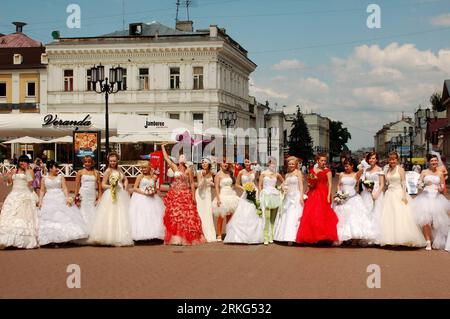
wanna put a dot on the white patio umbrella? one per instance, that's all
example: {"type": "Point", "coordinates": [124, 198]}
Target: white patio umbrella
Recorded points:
{"type": "Point", "coordinates": [26, 140]}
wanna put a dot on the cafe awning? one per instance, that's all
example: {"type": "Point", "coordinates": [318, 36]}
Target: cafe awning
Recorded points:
{"type": "Point", "coordinates": [26, 140]}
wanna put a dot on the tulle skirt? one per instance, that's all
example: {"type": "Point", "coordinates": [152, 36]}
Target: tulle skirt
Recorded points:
{"type": "Point", "coordinates": [354, 220]}
{"type": "Point", "coordinates": [288, 219]}
{"type": "Point", "coordinates": [398, 226]}
{"type": "Point", "coordinates": [59, 223]}
{"type": "Point", "coordinates": [375, 208]}
{"type": "Point", "coordinates": [270, 201]}
{"type": "Point", "coordinates": [19, 220]}
{"type": "Point", "coordinates": [245, 227]}
{"type": "Point", "coordinates": [432, 208]}
{"type": "Point", "coordinates": [228, 202]}
{"type": "Point", "coordinates": [111, 226]}
{"type": "Point", "coordinates": [146, 215]}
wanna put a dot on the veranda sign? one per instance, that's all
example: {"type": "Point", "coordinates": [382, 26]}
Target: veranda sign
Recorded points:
{"type": "Point", "coordinates": [54, 120]}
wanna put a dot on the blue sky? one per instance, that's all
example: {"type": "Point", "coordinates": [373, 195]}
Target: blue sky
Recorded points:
{"type": "Point", "coordinates": [316, 53]}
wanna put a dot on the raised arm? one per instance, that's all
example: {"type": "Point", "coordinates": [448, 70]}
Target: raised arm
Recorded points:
{"type": "Point", "coordinates": [167, 158]}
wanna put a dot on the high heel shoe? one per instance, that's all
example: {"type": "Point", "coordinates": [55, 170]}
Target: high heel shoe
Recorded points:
{"type": "Point", "coordinates": [428, 245]}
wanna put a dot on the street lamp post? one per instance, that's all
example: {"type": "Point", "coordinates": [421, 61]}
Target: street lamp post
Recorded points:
{"type": "Point", "coordinates": [108, 85]}
{"type": "Point", "coordinates": [228, 119]}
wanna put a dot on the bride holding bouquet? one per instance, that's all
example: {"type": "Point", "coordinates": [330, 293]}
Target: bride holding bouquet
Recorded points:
{"type": "Point", "coordinates": [112, 226]}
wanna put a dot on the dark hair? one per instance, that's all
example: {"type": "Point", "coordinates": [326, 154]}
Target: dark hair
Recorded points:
{"type": "Point", "coordinates": [431, 156]}
{"type": "Point", "coordinates": [370, 154]}
{"type": "Point", "coordinates": [320, 155]}
{"type": "Point", "coordinates": [23, 159]}
{"type": "Point", "coordinates": [88, 156]}
{"type": "Point", "coordinates": [394, 153]}
{"type": "Point", "coordinates": [348, 161]}
{"type": "Point", "coordinates": [51, 164]}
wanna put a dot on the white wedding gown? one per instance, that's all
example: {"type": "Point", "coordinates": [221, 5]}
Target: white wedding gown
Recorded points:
{"type": "Point", "coordinates": [112, 226]}
{"type": "Point", "coordinates": [245, 227]}
{"type": "Point", "coordinates": [88, 193]}
{"type": "Point", "coordinates": [228, 198]}
{"type": "Point", "coordinates": [398, 226]}
{"type": "Point", "coordinates": [59, 223]}
{"type": "Point", "coordinates": [375, 207]}
{"type": "Point", "coordinates": [353, 215]}
{"type": "Point", "coordinates": [288, 217]}
{"type": "Point", "coordinates": [203, 197]}
{"type": "Point", "coordinates": [146, 214]}
{"type": "Point", "coordinates": [19, 215]}
{"type": "Point", "coordinates": [431, 208]}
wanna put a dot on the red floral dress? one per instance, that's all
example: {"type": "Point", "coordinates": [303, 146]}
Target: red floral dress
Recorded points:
{"type": "Point", "coordinates": [181, 217]}
{"type": "Point", "coordinates": [319, 221]}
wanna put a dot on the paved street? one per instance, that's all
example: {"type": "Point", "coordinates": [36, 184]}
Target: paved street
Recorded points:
{"type": "Point", "coordinates": [216, 270]}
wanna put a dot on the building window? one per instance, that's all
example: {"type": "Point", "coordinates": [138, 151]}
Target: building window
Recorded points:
{"type": "Point", "coordinates": [123, 85]}
{"type": "Point", "coordinates": [174, 116]}
{"type": "Point", "coordinates": [174, 78]}
{"type": "Point", "coordinates": [198, 78]}
{"type": "Point", "coordinates": [68, 80]}
{"type": "Point", "coordinates": [143, 79]}
{"type": "Point", "coordinates": [31, 89]}
{"type": "Point", "coordinates": [89, 85]}
{"type": "Point", "coordinates": [198, 117]}
{"type": "Point", "coordinates": [2, 89]}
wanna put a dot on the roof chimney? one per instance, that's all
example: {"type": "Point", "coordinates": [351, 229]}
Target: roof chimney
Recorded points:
{"type": "Point", "coordinates": [19, 26]}
{"type": "Point", "coordinates": [187, 26]}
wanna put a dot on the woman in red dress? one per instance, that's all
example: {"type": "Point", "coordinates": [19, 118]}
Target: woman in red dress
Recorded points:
{"type": "Point", "coordinates": [181, 219]}
{"type": "Point", "coordinates": [319, 221]}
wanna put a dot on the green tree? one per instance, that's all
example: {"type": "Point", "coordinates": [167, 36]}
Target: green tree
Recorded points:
{"type": "Point", "coordinates": [436, 102]}
{"type": "Point", "coordinates": [300, 141]}
{"type": "Point", "coordinates": [339, 136]}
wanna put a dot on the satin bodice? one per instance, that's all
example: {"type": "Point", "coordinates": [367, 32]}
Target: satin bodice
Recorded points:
{"type": "Point", "coordinates": [250, 178]}
{"type": "Point", "coordinates": [88, 182]}
{"type": "Point", "coordinates": [53, 185]}
{"type": "Point", "coordinates": [20, 182]}
{"type": "Point", "coordinates": [291, 183]}
{"type": "Point", "coordinates": [226, 182]}
{"type": "Point", "coordinates": [393, 179]}
{"type": "Point", "coordinates": [433, 180]}
{"type": "Point", "coordinates": [348, 184]}
{"type": "Point", "coordinates": [269, 185]}
{"type": "Point", "coordinates": [146, 182]}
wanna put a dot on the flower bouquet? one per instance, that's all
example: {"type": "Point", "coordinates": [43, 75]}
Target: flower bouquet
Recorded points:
{"type": "Point", "coordinates": [369, 185]}
{"type": "Point", "coordinates": [312, 180]}
{"type": "Point", "coordinates": [78, 200]}
{"type": "Point", "coordinates": [113, 182]}
{"type": "Point", "coordinates": [250, 191]}
{"type": "Point", "coordinates": [150, 190]}
{"type": "Point", "coordinates": [340, 198]}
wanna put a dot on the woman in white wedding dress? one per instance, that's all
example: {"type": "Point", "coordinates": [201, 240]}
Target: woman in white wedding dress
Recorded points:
{"type": "Point", "coordinates": [203, 197]}
{"type": "Point", "coordinates": [19, 215]}
{"type": "Point", "coordinates": [146, 207]}
{"type": "Point", "coordinates": [59, 221]}
{"type": "Point", "coordinates": [354, 219]}
{"type": "Point", "coordinates": [226, 200]}
{"type": "Point", "coordinates": [246, 226]}
{"type": "Point", "coordinates": [288, 219]}
{"type": "Point", "coordinates": [112, 226]}
{"type": "Point", "coordinates": [398, 226]}
{"type": "Point", "coordinates": [373, 197]}
{"type": "Point", "coordinates": [430, 207]}
{"type": "Point", "coordinates": [88, 190]}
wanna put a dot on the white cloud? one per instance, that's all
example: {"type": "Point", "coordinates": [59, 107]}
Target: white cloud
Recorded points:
{"type": "Point", "coordinates": [313, 85]}
{"type": "Point", "coordinates": [288, 65]}
{"type": "Point", "coordinates": [365, 89]}
{"type": "Point", "coordinates": [441, 20]}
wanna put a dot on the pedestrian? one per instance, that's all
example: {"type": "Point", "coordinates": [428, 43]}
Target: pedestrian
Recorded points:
{"type": "Point", "coordinates": [39, 171]}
